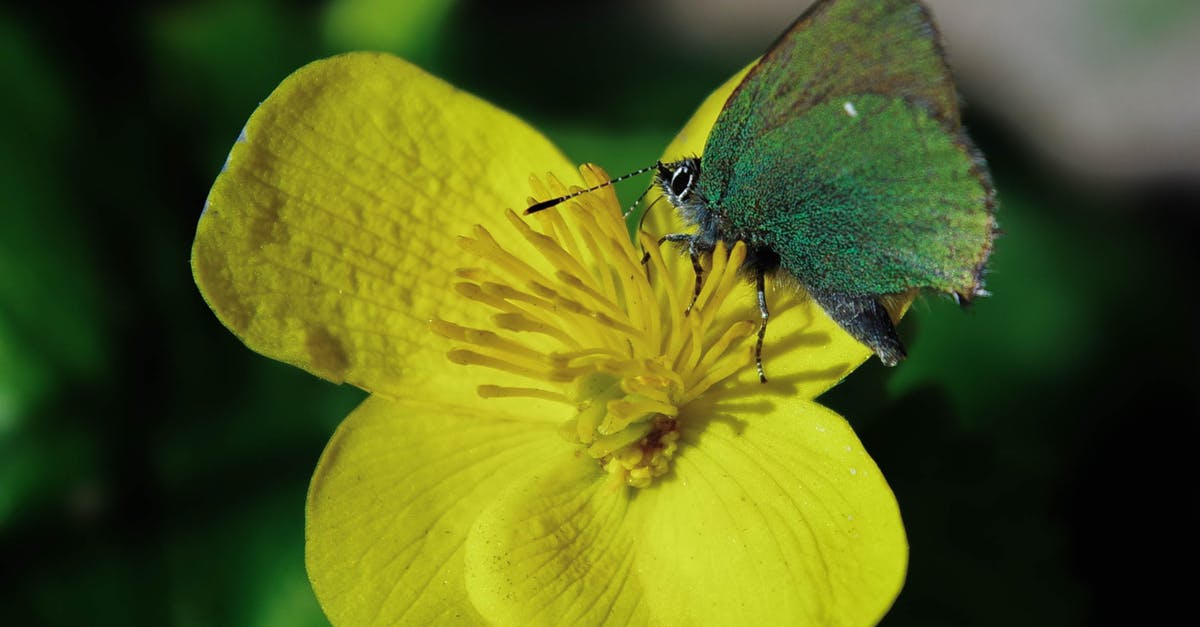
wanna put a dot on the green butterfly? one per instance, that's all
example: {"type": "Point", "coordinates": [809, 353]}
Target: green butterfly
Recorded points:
{"type": "Point", "coordinates": [841, 161]}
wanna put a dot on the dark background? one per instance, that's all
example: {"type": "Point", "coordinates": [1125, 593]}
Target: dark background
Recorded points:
{"type": "Point", "coordinates": [153, 470]}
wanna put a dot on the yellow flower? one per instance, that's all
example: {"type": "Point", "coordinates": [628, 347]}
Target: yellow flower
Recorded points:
{"type": "Point", "coordinates": [549, 439]}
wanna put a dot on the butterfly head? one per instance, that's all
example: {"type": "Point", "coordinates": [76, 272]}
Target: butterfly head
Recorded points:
{"type": "Point", "coordinates": [680, 183]}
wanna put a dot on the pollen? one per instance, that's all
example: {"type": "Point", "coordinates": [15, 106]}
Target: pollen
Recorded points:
{"type": "Point", "coordinates": [587, 318]}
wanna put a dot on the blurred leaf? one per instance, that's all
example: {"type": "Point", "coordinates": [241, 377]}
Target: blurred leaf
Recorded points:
{"type": "Point", "coordinates": [38, 466]}
{"type": "Point", "coordinates": [216, 59]}
{"type": "Point", "coordinates": [105, 585]}
{"type": "Point", "coordinates": [408, 28]}
{"type": "Point", "coordinates": [263, 411]}
{"type": "Point", "coordinates": [51, 317]}
{"type": "Point", "coordinates": [240, 559]}
{"type": "Point", "coordinates": [1124, 25]}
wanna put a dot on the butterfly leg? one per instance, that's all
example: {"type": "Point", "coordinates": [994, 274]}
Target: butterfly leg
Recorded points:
{"type": "Point", "coordinates": [699, 272]}
{"type": "Point", "coordinates": [865, 318]}
{"type": "Point", "coordinates": [761, 284]}
{"type": "Point", "coordinates": [695, 251]}
{"type": "Point", "coordinates": [669, 237]}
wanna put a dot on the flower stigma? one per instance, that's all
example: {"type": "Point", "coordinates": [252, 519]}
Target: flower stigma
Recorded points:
{"type": "Point", "coordinates": [581, 319]}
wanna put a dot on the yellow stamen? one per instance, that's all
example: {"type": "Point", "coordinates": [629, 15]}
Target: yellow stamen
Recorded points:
{"type": "Point", "coordinates": [497, 391]}
{"type": "Point", "coordinates": [579, 314]}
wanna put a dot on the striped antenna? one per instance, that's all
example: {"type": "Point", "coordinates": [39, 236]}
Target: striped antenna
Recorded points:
{"type": "Point", "coordinates": [546, 204]}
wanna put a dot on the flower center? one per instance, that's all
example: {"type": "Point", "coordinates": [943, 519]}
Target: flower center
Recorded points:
{"type": "Point", "coordinates": [583, 319]}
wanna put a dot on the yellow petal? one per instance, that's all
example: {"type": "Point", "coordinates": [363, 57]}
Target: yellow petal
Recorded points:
{"type": "Point", "coordinates": [690, 140]}
{"type": "Point", "coordinates": [392, 499]}
{"type": "Point", "coordinates": [776, 518]}
{"type": "Point", "coordinates": [779, 518]}
{"type": "Point", "coordinates": [805, 351]}
{"type": "Point", "coordinates": [328, 241]}
{"type": "Point", "coordinates": [557, 549]}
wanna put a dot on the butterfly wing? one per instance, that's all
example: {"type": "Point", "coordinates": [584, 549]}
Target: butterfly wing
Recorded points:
{"type": "Point", "coordinates": [842, 151]}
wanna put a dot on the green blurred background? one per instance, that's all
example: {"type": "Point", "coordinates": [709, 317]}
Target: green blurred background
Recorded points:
{"type": "Point", "coordinates": [153, 470]}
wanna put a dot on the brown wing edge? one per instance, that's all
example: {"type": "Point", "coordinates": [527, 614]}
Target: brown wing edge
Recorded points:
{"type": "Point", "coordinates": [979, 169]}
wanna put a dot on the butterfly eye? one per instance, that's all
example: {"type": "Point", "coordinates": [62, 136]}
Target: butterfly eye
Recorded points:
{"type": "Point", "coordinates": [681, 181]}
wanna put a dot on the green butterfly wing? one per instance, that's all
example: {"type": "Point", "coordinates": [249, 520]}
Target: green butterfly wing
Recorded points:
{"type": "Point", "coordinates": [842, 151]}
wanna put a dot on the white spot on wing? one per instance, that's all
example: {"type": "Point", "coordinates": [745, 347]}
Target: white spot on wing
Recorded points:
{"type": "Point", "coordinates": [850, 110]}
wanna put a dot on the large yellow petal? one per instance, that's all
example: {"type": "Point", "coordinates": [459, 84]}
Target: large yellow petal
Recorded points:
{"type": "Point", "coordinates": [328, 241]}
{"type": "Point", "coordinates": [392, 499]}
{"type": "Point", "coordinates": [556, 549]}
{"type": "Point", "coordinates": [805, 352]}
{"type": "Point", "coordinates": [777, 518]}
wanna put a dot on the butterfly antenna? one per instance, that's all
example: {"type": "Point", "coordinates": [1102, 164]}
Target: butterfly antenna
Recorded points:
{"type": "Point", "coordinates": [634, 206]}
{"type": "Point", "coordinates": [546, 204]}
